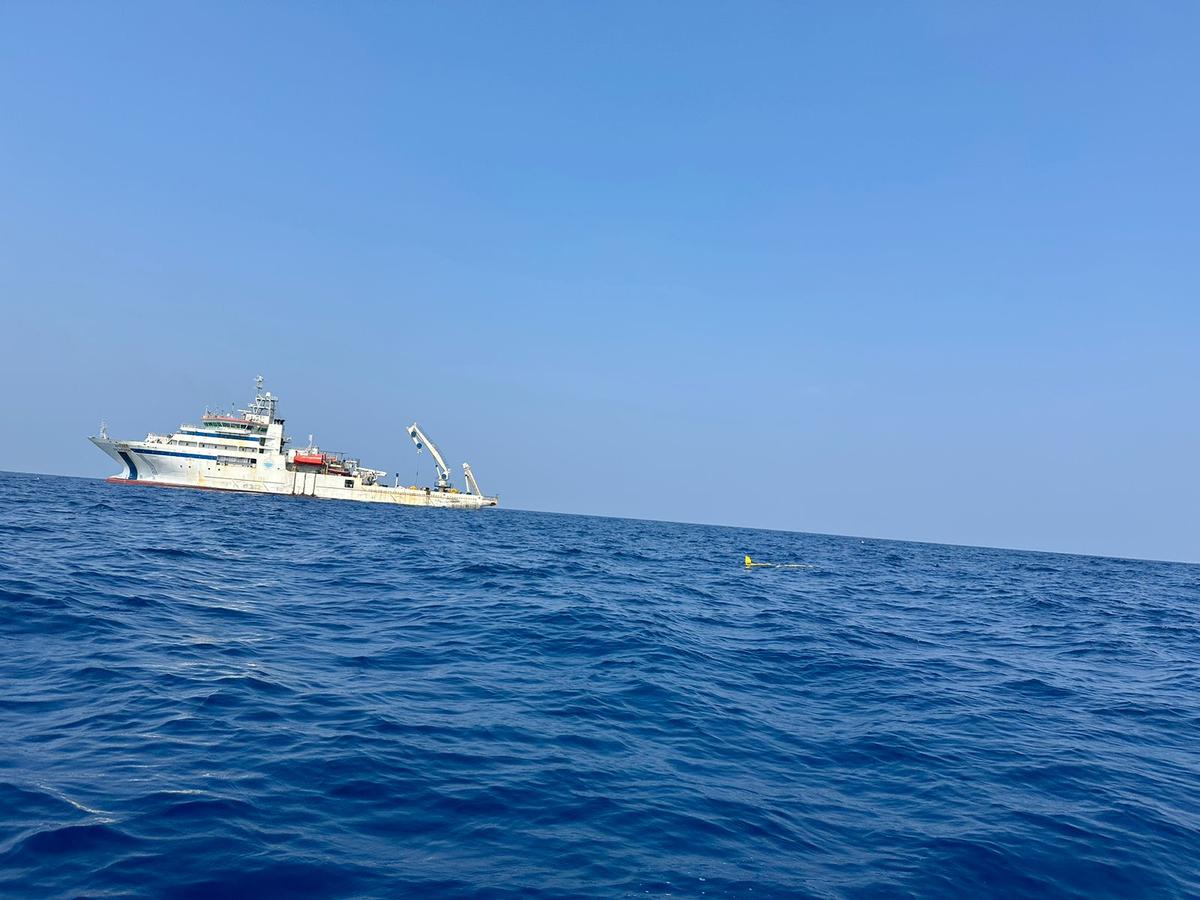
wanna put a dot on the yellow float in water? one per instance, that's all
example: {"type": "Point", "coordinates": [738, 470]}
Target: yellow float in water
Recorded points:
{"type": "Point", "coordinates": [751, 564]}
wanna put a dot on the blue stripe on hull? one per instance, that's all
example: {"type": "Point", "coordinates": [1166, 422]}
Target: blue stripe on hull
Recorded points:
{"type": "Point", "coordinates": [129, 462]}
{"type": "Point", "coordinates": [172, 453]}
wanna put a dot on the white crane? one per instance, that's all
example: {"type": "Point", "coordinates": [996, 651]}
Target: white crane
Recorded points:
{"type": "Point", "coordinates": [418, 438]}
{"type": "Point", "coordinates": [472, 484]}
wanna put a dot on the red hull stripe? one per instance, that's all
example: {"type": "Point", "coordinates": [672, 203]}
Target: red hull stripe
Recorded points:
{"type": "Point", "coordinates": [116, 479]}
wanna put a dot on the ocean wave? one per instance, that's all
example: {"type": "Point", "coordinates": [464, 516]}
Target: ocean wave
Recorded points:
{"type": "Point", "coordinates": [241, 696]}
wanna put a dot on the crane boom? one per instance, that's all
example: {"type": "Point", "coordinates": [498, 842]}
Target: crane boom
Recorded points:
{"type": "Point", "coordinates": [472, 484]}
{"type": "Point", "coordinates": [422, 442]}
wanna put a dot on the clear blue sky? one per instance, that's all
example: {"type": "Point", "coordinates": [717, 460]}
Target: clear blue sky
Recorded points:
{"type": "Point", "coordinates": [925, 271]}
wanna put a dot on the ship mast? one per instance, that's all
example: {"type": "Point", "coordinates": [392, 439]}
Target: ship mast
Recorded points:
{"type": "Point", "coordinates": [263, 407]}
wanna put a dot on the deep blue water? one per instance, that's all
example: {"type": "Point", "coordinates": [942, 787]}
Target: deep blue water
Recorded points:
{"type": "Point", "coordinates": [224, 695]}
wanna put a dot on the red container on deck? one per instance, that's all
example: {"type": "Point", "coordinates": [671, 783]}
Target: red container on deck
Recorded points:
{"type": "Point", "coordinates": [303, 459]}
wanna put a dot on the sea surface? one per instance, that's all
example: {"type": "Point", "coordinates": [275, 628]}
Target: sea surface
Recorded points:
{"type": "Point", "coordinates": [216, 695]}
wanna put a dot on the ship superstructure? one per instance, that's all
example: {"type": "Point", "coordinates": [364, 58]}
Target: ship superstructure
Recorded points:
{"type": "Point", "coordinates": [248, 451]}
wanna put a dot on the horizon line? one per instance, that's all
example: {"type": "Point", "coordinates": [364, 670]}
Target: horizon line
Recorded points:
{"type": "Point", "coordinates": [856, 537]}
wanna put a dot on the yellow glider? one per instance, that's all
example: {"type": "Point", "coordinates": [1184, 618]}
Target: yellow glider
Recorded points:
{"type": "Point", "coordinates": [751, 564]}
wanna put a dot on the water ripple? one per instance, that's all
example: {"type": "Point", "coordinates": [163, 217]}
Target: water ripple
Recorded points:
{"type": "Point", "coordinates": [206, 695]}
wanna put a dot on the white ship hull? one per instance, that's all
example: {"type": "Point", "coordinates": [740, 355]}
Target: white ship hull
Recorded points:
{"type": "Point", "coordinates": [249, 454]}
{"type": "Point", "coordinates": [150, 466]}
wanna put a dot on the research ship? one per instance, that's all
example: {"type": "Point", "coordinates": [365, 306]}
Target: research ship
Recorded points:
{"type": "Point", "coordinates": [248, 451]}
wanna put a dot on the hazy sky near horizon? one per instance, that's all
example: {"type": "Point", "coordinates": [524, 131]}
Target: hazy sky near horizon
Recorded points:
{"type": "Point", "coordinates": [923, 271]}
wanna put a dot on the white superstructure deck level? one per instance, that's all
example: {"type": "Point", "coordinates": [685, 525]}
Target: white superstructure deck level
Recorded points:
{"type": "Point", "coordinates": [248, 451]}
